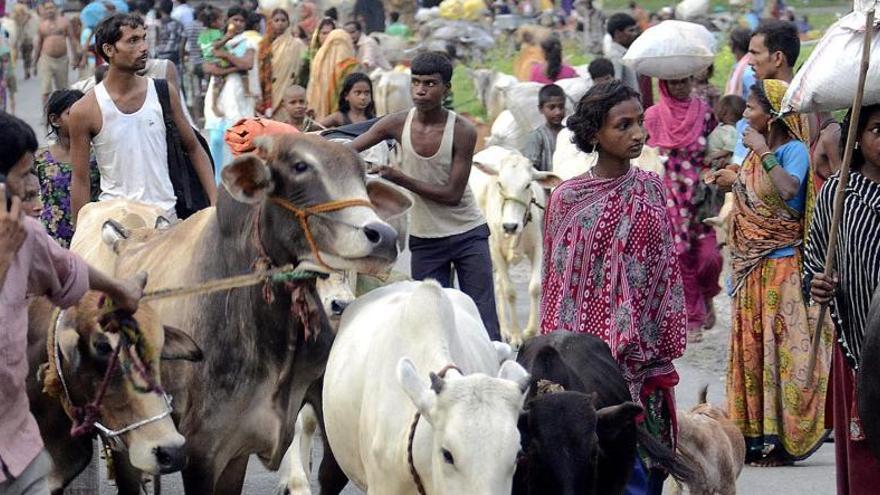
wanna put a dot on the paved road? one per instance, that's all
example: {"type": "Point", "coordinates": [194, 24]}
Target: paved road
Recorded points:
{"type": "Point", "coordinates": [703, 363]}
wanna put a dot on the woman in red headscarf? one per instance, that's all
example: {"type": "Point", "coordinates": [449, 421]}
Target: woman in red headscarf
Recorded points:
{"type": "Point", "coordinates": [679, 125]}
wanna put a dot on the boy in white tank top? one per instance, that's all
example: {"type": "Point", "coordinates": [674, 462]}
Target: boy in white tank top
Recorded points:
{"type": "Point", "coordinates": [123, 119]}
{"type": "Point", "coordinates": [447, 230]}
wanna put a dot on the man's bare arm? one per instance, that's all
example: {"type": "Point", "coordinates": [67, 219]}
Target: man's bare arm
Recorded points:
{"type": "Point", "coordinates": [245, 62]}
{"type": "Point", "coordinates": [38, 46]}
{"type": "Point", "coordinates": [465, 140]}
{"type": "Point", "coordinates": [831, 143]}
{"type": "Point", "coordinates": [80, 139]}
{"type": "Point", "coordinates": [75, 47]}
{"type": "Point", "coordinates": [197, 155]}
{"type": "Point", "coordinates": [379, 132]}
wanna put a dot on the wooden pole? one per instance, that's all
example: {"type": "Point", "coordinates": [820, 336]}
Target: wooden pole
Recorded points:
{"type": "Point", "coordinates": [839, 194]}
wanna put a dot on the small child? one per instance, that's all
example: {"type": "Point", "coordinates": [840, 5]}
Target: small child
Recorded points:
{"type": "Point", "coordinates": [601, 70]}
{"type": "Point", "coordinates": [541, 142]}
{"type": "Point", "coordinates": [355, 102]}
{"type": "Point", "coordinates": [213, 38]}
{"type": "Point", "coordinates": [296, 109]}
{"type": "Point", "coordinates": [722, 140]}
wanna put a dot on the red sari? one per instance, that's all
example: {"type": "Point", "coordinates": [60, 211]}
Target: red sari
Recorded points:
{"type": "Point", "coordinates": [610, 270]}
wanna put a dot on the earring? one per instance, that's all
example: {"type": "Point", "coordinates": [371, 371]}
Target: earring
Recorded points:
{"type": "Point", "coordinates": [856, 146]}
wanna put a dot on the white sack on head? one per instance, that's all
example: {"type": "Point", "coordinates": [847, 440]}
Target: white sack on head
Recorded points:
{"type": "Point", "coordinates": [863, 6]}
{"type": "Point", "coordinates": [827, 80]}
{"type": "Point", "coordinates": [672, 50]}
{"type": "Point", "coordinates": [507, 132]}
{"type": "Point", "coordinates": [691, 9]}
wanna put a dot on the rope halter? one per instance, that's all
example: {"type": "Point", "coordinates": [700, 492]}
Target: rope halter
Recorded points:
{"type": "Point", "coordinates": [303, 214]}
{"type": "Point", "coordinates": [527, 216]}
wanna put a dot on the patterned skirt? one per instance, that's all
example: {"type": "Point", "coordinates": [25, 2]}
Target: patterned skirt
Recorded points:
{"type": "Point", "coordinates": [767, 394]}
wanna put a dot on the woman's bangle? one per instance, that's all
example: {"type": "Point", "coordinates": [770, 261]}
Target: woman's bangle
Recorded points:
{"type": "Point", "coordinates": [764, 155]}
{"type": "Point", "coordinates": [769, 161]}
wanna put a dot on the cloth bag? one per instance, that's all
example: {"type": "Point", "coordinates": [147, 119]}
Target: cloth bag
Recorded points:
{"type": "Point", "coordinates": [191, 196]}
{"type": "Point", "coordinates": [240, 137]}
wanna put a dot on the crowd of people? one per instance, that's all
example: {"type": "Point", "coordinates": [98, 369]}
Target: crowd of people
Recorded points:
{"type": "Point", "coordinates": [629, 256]}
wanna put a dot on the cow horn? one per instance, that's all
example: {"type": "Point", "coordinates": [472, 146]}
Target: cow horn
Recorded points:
{"type": "Point", "coordinates": [548, 387]}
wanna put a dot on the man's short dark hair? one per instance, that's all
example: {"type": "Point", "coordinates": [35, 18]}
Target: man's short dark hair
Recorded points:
{"type": "Point", "coordinates": [430, 63]}
{"type": "Point", "coordinates": [237, 10]}
{"type": "Point", "coordinates": [549, 91]}
{"type": "Point", "coordinates": [394, 16]}
{"type": "Point", "coordinates": [600, 67]}
{"type": "Point", "coordinates": [618, 22]}
{"type": "Point", "coordinates": [109, 31]}
{"type": "Point", "coordinates": [356, 24]}
{"type": "Point", "coordinates": [739, 39]}
{"type": "Point", "coordinates": [165, 6]}
{"type": "Point", "coordinates": [781, 36]}
{"type": "Point", "coordinates": [18, 139]}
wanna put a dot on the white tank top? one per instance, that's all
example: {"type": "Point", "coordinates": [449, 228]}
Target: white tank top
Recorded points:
{"type": "Point", "coordinates": [131, 151]}
{"type": "Point", "coordinates": [428, 218]}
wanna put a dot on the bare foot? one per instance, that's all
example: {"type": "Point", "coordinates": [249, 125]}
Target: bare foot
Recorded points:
{"type": "Point", "coordinates": [773, 459]}
{"type": "Point", "coordinates": [710, 316]}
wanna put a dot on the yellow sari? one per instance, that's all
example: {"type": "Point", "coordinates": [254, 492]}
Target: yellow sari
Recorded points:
{"type": "Point", "coordinates": [334, 60]}
{"type": "Point", "coordinates": [288, 54]}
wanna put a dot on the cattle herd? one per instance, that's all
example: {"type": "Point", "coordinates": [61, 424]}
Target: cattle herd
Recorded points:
{"type": "Point", "coordinates": [409, 392]}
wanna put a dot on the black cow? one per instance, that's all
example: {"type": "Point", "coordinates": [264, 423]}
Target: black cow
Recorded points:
{"type": "Point", "coordinates": [582, 440]}
{"type": "Point", "coordinates": [868, 378]}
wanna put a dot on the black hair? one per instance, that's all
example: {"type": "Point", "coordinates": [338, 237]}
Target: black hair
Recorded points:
{"type": "Point", "coordinates": [237, 10]}
{"type": "Point", "coordinates": [164, 6]}
{"type": "Point", "coordinates": [356, 24]}
{"type": "Point", "coordinates": [253, 21]}
{"type": "Point", "coordinates": [552, 49]}
{"type": "Point", "coordinates": [347, 84]}
{"type": "Point", "coordinates": [327, 21]}
{"type": "Point", "coordinates": [394, 17]}
{"type": "Point", "coordinates": [600, 67]}
{"type": "Point", "coordinates": [731, 103]}
{"type": "Point", "coordinates": [58, 102]}
{"type": "Point", "coordinates": [739, 39]}
{"type": "Point", "coordinates": [207, 14]}
{"type": "Point", "coordinates": [781, 36]}
{"type": "Point", "coordinates": [592, 111]}
{"type": "Point", "coordinates": [279, 10]}
{"type": "Point", "coordinates": [549, 91]}
{"type": "Point", "coordinates": [109, 31]}
{"type": "Point", "coordinates": [143, 6]}
{"type": "Point", "coordinates": [18, 139]}
{"type": "Point", "coordinates": [858, 159]}
{"type": "Point", "coordinates": [332, 13]}
{"type": "Point", "coordinates": [100, 72]}
{"type": "Point", "coordinates": [429, 63]}
{"type": "Point", "coordinates": [619, 21]}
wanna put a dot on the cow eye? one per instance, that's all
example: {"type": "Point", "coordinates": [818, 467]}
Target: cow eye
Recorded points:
{"type": "Point", "coordinates": [447, 457]}
{"type": "Point", "coordinates": [103, 348]}
{"type": "Point", "coordinates": [300, 167]}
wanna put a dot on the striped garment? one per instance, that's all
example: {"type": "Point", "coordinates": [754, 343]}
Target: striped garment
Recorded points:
{"type": "Point", "coordinates": [858, 256]}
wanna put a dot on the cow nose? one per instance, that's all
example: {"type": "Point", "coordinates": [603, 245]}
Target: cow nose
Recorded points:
{"type": "Point", "coordinates": [337, 306]}
{"type": "Point", "coordinates": [379, 233]}
{"type": "Point", "coordinates": [509, 228]}
{"type": "Point", "coordinates": [170, 459]}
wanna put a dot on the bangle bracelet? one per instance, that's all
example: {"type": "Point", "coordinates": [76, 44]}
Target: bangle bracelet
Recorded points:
{"type": "Point", "coordinates": [764, 155]}
{"type": "Point", "coordinates": [769, 162]}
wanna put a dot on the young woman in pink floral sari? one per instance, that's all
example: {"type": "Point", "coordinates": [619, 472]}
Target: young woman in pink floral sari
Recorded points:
{"type": "Point", "coordinates": [609, 264]}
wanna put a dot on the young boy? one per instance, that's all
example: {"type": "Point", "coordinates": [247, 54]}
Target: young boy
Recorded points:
{"type": "Point", "coordinates": [296, 109]}
{"type": "Point", "coordinates": [447, 228]}
{"type": "Point", "coordinates": [601, 70]}
{"type": "Point", "coordinates": [722, 140]}
{"type": "Point", "coordinates": [541, 142]}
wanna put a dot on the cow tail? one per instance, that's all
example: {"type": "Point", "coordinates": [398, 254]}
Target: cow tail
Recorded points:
{"type": "Point", "coordinates": [679, 467]}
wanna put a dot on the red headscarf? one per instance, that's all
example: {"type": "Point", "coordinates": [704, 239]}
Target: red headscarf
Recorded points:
{"type": "Point", "coordinates": [673, 123]}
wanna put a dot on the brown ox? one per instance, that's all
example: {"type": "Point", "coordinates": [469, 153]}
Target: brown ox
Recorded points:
{"type": "Point", "coordinates": [260, 357]}
{"type": "Point", "coordinates": [84, 350]}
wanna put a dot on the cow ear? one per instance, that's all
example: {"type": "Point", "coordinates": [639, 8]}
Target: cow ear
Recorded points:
{"type": "Point", "coordinates": [248, 179]}
{"type": "Point", "coordinates": [547, 180]}
{"type": "Point", "coordinates": [486, 168]}
{"type": "Point", "coordinates": [549, 366]}
{"type": "Point", "coordinates": [511, 370]}
{"type": "Point", "coordinates": [418, 392]}
{"type": "Point", "coordinates": [502, 351]}
{"type": "Point", "coordinates": [390, 201]}
{"type": "Point", "coordinates": [180, 346]}
{"type": "Point", "coordinates": [68, 341]}
{"type": "Point", "coordinates": [612, 420]}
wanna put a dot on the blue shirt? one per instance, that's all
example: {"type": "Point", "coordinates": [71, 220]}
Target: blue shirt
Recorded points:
{"type": "Point", "coordinates": [740, 151]}
{"type": "Point", "coordinates": [748, 80]}
{"type": "Point", "coordinates": [794, 158]}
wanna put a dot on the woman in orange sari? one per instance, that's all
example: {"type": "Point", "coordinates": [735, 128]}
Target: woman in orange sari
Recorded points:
{"type": "Point", "coordinates": [335, 59]}
{"type": "Point", "coordinates": [767, 396]}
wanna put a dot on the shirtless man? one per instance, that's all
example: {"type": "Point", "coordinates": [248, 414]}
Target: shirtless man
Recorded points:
{"type": "Point", "coordinates": [447, 229]}
{"type": "Point", "coordinates": [122, 118]}
{"type": "Point", "coordinates": [51, 52]}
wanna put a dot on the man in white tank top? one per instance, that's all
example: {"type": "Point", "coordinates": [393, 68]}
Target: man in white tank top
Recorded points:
{"type": "Point", "coordinates": [447, 228]}
{"type": "Point", "coordinates": [122, 119]}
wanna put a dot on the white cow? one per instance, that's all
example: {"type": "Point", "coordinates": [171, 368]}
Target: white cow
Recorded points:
{"type": "Point", "coordinates": [511, 194]}
{"type": "Point", "coordinates": [489, 87]}
{"type": "Point", "coordinates": [391, 90]}
{"type": "Point", "coordinates": [569, 161]}
{"type": "Point", "coordinates": [389, 341]}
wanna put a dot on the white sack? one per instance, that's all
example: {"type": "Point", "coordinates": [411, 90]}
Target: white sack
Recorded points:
{"type": "Point", "coordinates": [827, 80]}
{"type": "Point", "coordinates": [507, 132]}
{"type": "Point", "coordinates": [522, 99]}
{"type": "Point", "coordinates": [691, 9]}
{"type": "Point", "coordinates": [569, 161]}
{"type": "Point", "coordinates": [672, 50]}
